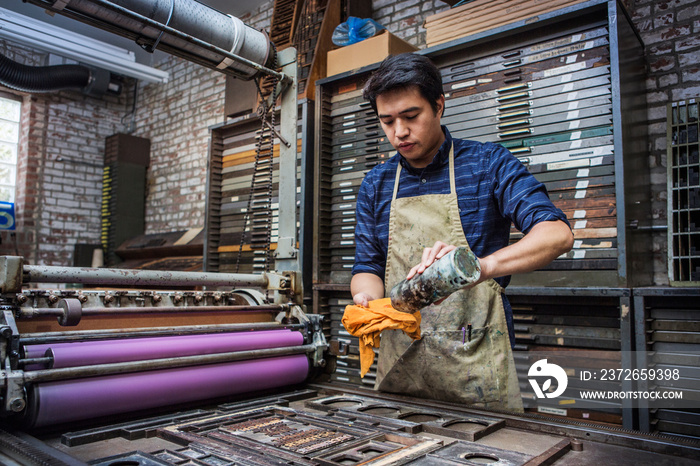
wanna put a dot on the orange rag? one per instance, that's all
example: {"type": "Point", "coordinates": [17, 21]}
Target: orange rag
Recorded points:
{"type": "Point", "coordinates": [367, 323]}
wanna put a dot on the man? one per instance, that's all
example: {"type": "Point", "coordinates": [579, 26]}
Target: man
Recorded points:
{"type": "Point", "coordinates": [438, 193]}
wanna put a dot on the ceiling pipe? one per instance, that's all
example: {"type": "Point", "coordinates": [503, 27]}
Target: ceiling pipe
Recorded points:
{"type": "Point", "coordinates": [90, 81]}
{"type": "Point", "coordinates": [185, 28]}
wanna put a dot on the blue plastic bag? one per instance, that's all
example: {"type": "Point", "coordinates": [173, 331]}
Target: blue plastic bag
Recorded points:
{"type": "Point", "coordinates": [355, 30]}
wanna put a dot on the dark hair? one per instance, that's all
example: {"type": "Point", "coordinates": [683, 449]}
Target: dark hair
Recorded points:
{"type": "Point", "coordinates": [403, 71]}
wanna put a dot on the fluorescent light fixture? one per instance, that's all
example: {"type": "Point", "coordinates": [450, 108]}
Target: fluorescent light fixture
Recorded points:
{"type": "Point", "coordinates": [83, 49]}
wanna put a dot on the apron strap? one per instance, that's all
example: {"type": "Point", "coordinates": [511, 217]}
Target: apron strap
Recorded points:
{"type": "Point", "coordinates": [494, 284]}
{"type": "Point", "coordinates": [396, 182]}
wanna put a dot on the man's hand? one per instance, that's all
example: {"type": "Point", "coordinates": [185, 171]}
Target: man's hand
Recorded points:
{"type": "Point", "coordinates": [430, 255]}
{"type": "Point", "coordinates": [362, 299]}
{"type": "Point", "coordinates": [366, 287]}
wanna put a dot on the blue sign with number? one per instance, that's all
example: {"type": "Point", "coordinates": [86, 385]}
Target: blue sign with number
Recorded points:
{"type": "Point", "coordinates": [7, 216]}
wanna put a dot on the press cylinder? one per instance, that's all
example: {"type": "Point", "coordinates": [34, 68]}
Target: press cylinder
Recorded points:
{"type": "Point", "coordinates": [86, 353]}
{"type": "Point", "coordinates": [62, 401]}
{"type": "Point", "coordinates": [452, 272]}
{"type": "Point", "coordinates": [88, 398]}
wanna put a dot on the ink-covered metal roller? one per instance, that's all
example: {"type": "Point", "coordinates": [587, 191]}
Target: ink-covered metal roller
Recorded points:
{"type": "Point", "coordinates": [454, 271]}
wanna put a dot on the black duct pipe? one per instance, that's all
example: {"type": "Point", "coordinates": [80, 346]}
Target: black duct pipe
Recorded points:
{"type": "Point", "coordinates": [37, 79]}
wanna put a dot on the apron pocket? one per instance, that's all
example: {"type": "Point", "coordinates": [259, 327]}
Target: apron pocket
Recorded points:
{"type": "Point", "coordinates": [442, 366]}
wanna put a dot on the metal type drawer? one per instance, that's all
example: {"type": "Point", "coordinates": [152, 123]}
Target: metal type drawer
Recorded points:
{"type": "Point", "coordinates": [522, 56]}
{"type": "Point", "coordinates": [354, 134]}
{"type": "Point", "coordinates": [379, 146]}
{"type": "Point", "coordinates": [504, 81]}
{"type": "Point", "coordinates": [350, 119]}
{"type": "Point", "coordinates": [354, 120]}
{"type": "Point", "coordinates": [667, 335]}
{"type": "Point", "coordinates": [590, 328]}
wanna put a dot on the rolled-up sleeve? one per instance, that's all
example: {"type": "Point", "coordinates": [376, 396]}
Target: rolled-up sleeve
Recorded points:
{"type": "Point", "coordinates": [520, 196]}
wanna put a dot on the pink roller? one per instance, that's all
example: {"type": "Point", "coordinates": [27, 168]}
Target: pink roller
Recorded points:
{"type": "Point", "coordinates": [138, 349]}
{"type": "Point", "coordinates": [79, 399]}
{"type": "Point", "coordinates": [35, 351]}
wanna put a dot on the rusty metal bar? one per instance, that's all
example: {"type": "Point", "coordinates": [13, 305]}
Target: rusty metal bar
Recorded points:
{"type": "Point", "coordinates": [27, 361]}
{"type": "Point", "coordinates": [105, 311]}
{"type": "Point", "coordinates": [94, 276]}
{"type": "Point", "coordinates": [551, 455]}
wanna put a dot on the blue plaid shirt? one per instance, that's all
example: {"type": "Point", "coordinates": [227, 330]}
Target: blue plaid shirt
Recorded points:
{"type": "Point", "coordinates": [494, 189]}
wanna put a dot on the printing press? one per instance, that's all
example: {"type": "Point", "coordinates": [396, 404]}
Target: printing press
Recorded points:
{"type": "Point", "coordinates": [236, 375]}
{"type": "Point", "coordinates": [109, 366]}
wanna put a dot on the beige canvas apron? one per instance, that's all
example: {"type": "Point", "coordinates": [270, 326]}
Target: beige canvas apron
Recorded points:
{"type": "Point", "coordinates": [447, 363]}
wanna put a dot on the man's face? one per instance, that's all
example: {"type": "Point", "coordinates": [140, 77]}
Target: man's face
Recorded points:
{"type": "Point", "coordinates": [411, 125]}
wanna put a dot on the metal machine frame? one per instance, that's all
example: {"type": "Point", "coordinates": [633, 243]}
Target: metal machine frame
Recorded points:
{"type": "Point", "coordinates": [279, 292]}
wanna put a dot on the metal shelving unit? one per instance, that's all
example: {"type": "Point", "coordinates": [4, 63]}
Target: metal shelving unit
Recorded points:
{"type": "Point", "coordinates": [667, 337]}
{"type": "Point", "coordinates": [566, 95]}
{"type": "Point", "coordinates": [595, 322]}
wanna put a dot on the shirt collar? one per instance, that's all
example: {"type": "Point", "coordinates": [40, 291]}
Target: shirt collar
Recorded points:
{"type": "Point", "coordinates": [440, 159]}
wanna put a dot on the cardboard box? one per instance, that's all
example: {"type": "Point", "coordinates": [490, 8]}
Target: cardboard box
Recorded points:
{"type": "Point", "coordinates": [372, 50]}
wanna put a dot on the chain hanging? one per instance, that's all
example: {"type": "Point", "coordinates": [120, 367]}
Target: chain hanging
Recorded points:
{"type": "Point", "coordinates": [258, 213]}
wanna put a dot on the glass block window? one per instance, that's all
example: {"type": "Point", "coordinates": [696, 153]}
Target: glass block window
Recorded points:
{"type": "Point", "coordinates": [9, 141]}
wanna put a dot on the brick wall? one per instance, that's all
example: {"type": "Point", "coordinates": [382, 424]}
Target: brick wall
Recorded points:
{"type": "Point", "coordinates": [62, 147]}
{"type": "Point", "coordinates": [671, 34]}
{"type": "Point", "coordinates": [59, 171]}
{"type": "Point", "coordinates": [405, 18]}
{"type": "Point", "coordinates": [176, 117]}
